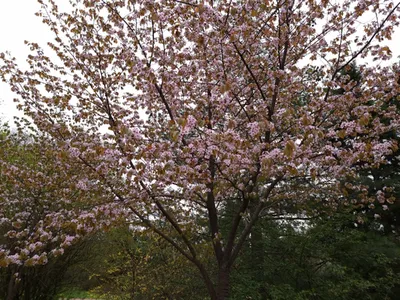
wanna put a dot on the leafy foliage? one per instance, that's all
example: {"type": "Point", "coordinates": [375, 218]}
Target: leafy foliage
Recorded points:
{"type": "Point", "coordinates": [333, 259]}
{"type": "Point", "coordinates": [130, 264]}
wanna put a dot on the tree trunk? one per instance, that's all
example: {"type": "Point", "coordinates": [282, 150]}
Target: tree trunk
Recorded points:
{"type": "Point", "coordinates": [13, 284]}
{"type": "Point", "coordinates": [223, 284]}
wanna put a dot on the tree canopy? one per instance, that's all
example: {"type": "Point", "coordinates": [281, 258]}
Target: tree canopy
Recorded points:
{"type": "Point", "coordinates": [173, 111]}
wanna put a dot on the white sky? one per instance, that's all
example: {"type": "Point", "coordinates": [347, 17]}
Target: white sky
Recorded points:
{"type": "Point", "coordinates": [18, 23]}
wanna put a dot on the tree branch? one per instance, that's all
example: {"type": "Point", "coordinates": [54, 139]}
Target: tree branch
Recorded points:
{"type": "Point", "coordinates": [254, 217]}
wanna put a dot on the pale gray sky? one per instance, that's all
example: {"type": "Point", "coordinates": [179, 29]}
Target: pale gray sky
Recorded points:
{"type": "Point", "coordinates": [18, 23]}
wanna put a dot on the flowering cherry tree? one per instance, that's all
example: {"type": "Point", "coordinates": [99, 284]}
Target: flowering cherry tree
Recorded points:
{"type": "Point", "coordinates": [178, 108]}
{"type": "Point", "coordinates": [39, 211]}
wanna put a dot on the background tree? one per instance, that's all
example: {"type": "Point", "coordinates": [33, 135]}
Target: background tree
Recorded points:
{"type": "Point", "coordinates": [330, 258]}
{"type": "Point", "coordinates": [40, 215]}
{"type": "Point", "coordinates": [178, 108]}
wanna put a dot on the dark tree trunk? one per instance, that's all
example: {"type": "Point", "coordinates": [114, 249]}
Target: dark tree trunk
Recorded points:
{"type": "Point", "coordinates": [223, 284]}
{"type": "Point", "coordinates": [13, 284]}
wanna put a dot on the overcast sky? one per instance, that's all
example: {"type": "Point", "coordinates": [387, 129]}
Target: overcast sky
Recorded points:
{"type": "Point", "coordinates": [18, 23]}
